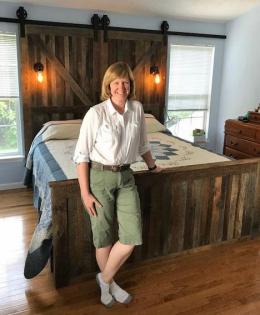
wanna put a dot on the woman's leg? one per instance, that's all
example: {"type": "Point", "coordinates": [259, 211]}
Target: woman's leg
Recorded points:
{"type": "Point", "coordinates": [102, 255]}
{"type": "Point", "coordinates": [109, 261]}
{"type": "Point", "coordinates": [117, 256]}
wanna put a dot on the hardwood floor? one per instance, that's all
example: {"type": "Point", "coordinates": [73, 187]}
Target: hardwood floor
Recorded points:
{"type": "Point", "coordinates": [220, 280]}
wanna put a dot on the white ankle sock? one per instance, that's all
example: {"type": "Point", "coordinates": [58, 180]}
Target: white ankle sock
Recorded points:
{"type": "Point", "coordinates": [106, 298]}
{"type": "Point", "coordinates": [119, 294]}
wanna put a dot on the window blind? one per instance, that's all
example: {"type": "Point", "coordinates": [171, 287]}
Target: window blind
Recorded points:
{"type": "Point", "coordinates": [190, 77]}
{"type": "Point", "coordinates": [8, 66]}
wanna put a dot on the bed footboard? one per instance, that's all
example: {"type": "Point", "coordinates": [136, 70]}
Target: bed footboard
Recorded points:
{"type": "Point", "coordinates": [182, 208]}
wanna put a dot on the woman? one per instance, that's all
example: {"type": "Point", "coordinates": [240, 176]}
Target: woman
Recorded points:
{"type": "Point", "coordinates": [112, 136]}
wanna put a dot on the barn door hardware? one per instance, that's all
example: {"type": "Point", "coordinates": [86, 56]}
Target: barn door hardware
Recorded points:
{"type": "Point", "coordinates": [105, 21]}
{"type": "Point", "coordinates": [95, 21]}
{"type": "Point", "coordinates": [164, 28]}
{"type": "Point", "coordinates": [21, 13]}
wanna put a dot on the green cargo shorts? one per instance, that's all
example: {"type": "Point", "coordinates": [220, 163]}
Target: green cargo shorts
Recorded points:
{"type": "Point", "coordinates": [118, 195]}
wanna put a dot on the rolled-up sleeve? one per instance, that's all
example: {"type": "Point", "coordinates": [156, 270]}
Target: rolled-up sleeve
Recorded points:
{"type": "Point", "coordinates": [144, 144]}
{"type": "Point", "coordinates": [87, 136]}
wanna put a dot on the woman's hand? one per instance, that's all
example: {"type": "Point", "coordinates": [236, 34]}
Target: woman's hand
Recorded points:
{"type": "Point", "coordinates": [158, 169]}
{"type": "Point", "coordinates": [90, 203]}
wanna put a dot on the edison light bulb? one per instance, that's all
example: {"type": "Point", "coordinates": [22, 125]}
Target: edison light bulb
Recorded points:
{"type": "Point", "coordinates": [157, 78]}
{"type": "Point", "coordinates": [39, 76]}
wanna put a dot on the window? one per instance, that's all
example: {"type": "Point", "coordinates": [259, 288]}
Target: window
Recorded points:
{"type": "Point", "coordinates": [189, 93]}
{"type": "Point", "coordinates": [10, 122]}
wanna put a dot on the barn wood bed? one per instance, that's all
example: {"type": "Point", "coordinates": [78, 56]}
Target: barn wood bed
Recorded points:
{"type": "Point", "coordinates": [182, 208]}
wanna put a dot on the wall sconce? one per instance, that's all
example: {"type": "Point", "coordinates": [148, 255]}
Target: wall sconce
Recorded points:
{"type": "Point", "coordinates": [38, 68]}
{"type": "Point", "coordinates": [154, 70]}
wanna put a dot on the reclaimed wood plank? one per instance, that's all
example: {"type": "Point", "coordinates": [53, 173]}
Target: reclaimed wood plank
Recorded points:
{"type": "Point", "coordinates": [61, 264]}
{"type": "Point", "coordinates": [249, 204]}
{"type": "Point", "coordinates": [178, 205]}
{"type": "Point", "coordinates": [202, 202]}
{"type": "Point", "coordinates": [232, 195]}
{"type": "Point", "coordinates": [256, 215]}
{"type": "Point", "coordinates": [240, 204]}
{"type": "Point", "coordinates": [68, 95]}
{"type": "Point", "coordinates": [64, 73]}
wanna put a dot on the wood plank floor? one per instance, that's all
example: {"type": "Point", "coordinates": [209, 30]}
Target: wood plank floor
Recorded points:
{"type": "Point", "coordinates": [220, 280]}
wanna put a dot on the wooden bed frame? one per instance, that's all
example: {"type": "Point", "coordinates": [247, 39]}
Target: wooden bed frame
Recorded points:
{"type": "Point", "coordinates": [182, 208]}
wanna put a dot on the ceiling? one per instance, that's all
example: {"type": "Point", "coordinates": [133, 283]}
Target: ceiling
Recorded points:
{"type": "Point", "coordinates": [213, 10]}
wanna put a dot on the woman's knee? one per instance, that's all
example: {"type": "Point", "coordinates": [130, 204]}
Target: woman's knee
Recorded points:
{"type": "Point", "coordinates": [127, 247]}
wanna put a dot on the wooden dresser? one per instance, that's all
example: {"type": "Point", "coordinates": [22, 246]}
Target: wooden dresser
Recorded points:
{"type": "Point", "coordinates": [242, 139]}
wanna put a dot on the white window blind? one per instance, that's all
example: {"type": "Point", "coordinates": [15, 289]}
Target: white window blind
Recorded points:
{"type": "Point", "coordinates": [10, 121]}
{"type": "Point", "coordinates": [190, 77]}
{"type": "Point", "coordinates": [8, 66]}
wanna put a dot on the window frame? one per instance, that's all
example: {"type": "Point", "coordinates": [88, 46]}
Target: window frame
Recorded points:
{"type": "Point", "coordinates": [213, 113]}
{"type": "Point", "coordinates": [206, 112]}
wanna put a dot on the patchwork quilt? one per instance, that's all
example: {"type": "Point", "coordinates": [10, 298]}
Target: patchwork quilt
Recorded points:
{"type": "Point", "coordinates": [51, 160]}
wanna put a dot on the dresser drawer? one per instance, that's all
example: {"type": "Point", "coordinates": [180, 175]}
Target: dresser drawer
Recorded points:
{"type": "Point", "coordinates": [257, 137]}
{"type": "Point", "coordinates": [235, 153]}
{"type": "Point", "coordinates": [240, 130]}
{"type": "Point", "coordinates": [246, 146]}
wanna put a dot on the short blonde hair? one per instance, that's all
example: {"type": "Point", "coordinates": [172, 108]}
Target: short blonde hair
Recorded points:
{"type": "Point", "coordinates": [117, 70]}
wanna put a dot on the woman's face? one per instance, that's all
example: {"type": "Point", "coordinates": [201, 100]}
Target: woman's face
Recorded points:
{"type": "Point", "coordinates": [120, 89]}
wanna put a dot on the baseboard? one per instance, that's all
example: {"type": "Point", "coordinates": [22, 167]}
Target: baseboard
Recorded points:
{"type": "Point", "coordinates": [11, 186]}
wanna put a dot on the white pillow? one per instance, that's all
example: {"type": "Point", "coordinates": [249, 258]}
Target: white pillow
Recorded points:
{"type": "Point", "coordinates": [60, 122]}
{"type": "Point", "coordinates": [61, 131]}
{"type": "Point", "coordinates": [152, 124]}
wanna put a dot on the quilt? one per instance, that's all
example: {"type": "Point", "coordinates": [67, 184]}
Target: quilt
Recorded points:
{"type": "Point", "coordinates": [50, 159]}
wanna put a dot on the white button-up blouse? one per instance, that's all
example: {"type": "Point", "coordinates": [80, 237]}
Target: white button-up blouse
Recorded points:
{"type": "Point", "coordinates": [111, 138]}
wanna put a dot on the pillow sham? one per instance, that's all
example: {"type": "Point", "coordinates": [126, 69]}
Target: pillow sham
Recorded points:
{"type": "Point", "coordinates": [61, 122]}
{"type": "Point", "coordinates": [61, 131]}
{"type": "Point", "coordinates": [69, 129]}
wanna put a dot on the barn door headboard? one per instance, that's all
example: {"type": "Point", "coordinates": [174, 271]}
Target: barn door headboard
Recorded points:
{"type": "Point", "coordinates": [74, 63]}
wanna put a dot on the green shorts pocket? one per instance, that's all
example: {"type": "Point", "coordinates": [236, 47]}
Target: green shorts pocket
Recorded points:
{"type": "Point", "coordinates": [96, 179]}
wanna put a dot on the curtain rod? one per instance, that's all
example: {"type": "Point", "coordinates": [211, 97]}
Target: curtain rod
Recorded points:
{"type": "Point", "coordinates": [112, 28]}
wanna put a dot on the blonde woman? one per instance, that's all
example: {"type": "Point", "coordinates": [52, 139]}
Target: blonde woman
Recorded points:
{"type": "Point", "coordinates": [112, 136]}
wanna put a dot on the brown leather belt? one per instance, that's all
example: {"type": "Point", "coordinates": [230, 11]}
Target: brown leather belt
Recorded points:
{"type": "Point", "coordinates": [113, 168]}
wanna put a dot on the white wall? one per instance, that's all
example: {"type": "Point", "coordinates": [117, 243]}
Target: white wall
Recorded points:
{"type": "Point", "coordinates": [11, 170]}
{"type": "Point", "coordinates": [241, 72]}
{"type": "Point", "coordinates": [118, 20]}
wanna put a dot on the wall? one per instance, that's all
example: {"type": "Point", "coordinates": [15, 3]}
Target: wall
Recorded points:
{"type": "Point", "coordinates": [117, 20]}
{"type": "Point", "coordinates": [11, 171]}
{"type": "Point", "coordinates": [240, 90]}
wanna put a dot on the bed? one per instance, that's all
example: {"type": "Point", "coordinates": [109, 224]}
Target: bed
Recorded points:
{"type": "Point", "coordinates": [200, 198]}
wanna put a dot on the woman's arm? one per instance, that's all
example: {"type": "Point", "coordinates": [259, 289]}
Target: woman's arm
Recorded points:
{"type": "Point", "coordinates": [89, 201]}
{"type": "Point", "coordinates": [83, 177]}
{"type": "Point", "coordinates": [150, 162]}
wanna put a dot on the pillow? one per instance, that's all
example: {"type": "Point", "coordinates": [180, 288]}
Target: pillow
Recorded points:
{"type": "Point", "coordinates": [148, 115]}
{"type": "Point", "coordinates": [61, 131]}
{"type": "Point", "coordinates": [152, 124]}
{"type": "Point", "coordinates": [59, 122]}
